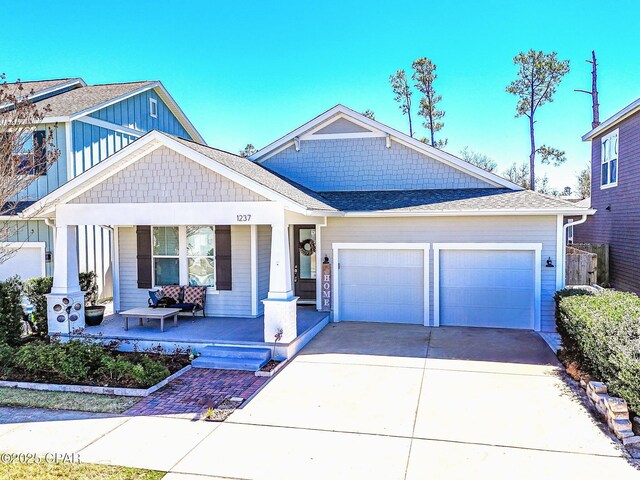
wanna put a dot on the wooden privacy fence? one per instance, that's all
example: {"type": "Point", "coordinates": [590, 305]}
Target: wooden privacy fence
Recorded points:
{"type": "Point", "coordinates": [582, 267]}
{"type": "Point", "coordinates": [602, 250]}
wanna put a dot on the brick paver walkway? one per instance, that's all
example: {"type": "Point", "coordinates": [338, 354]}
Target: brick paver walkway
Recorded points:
{"type": "Point", "coordinates": [196, 390]}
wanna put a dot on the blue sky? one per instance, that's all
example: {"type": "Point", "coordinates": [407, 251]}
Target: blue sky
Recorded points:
{"type": "Point", "coordinates": [251, 71]}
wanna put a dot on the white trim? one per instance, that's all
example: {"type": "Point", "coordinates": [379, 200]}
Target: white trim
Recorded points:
{"type": "Point", "coordinates": [116, 268]}
{"type": "Point", "coordinates": [336, 247]}
{"type": "Point", "coordinates": [319, 260]}
{"type": "Point", "coordinates": [408, 141]}
{"type": "Point", "coordinates": [110, 126]}
{"type": "Point", "coordinates": [613, 120]}
{"type": "Point", "coordinates": [26, 244]}
{"type": "Point", "coordinates": [560, 252]}
{"type": "Point", "coordinates": [138, 149]}
{"type": "Point", "coordinates": [153, 107]}
{"type": "Point", "coordinates": [164, 95]}
{"type": "Point", "coordinates": [537, 268]}
{"type": "Point", "coordinates": [615, 133]}
{"type": "Point", "coordinates": [71, 161]}
{"type": "Point", "coordinates": [254, 270]}
{"type": "Point", "coordinates": [341, 136]}
{"type": "Point", "coordinates": [40, 93]}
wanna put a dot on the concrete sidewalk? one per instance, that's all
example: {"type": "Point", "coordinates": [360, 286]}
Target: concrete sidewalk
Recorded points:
{"type": "Point", "coordinates": [372, 401]}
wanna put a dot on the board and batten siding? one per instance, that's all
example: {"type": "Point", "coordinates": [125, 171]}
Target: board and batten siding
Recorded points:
{"type": "Point", "coordinates": [264, 264]}
{"type": "Point", "coordinates": [56, 174]}
{"type": "Point", "coordinates": [489, 229]}
{"type": "Point", "coordinates": [134, 113]}
{"type": "Point", "coordinates": [232, 303]}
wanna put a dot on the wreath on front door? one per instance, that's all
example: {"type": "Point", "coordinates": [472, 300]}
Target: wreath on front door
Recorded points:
{"type": "Point", "coordinates": [307, 247]}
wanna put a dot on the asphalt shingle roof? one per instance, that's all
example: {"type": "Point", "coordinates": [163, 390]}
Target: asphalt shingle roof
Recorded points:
{"type": "Point", "coordinates": [81, 99]}
{"type": "Point", "coordinates": [258, 173]}
{"type": "Point", "coordinates": [40, 85]}
{"type": "Point", "coordinates": [400, 201]}
{"type": "Point", "coordinates": [471, 199]}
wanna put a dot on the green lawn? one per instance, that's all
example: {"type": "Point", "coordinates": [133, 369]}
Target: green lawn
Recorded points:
{"type": "Point", "coordinates": [88, 402]}
{"type": "Point", "coordinates": [74, 471]}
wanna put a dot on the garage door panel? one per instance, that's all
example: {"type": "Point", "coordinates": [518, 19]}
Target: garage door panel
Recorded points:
{"type": "Point", "coordinates": [490, 288]}
{"type": "Point", "coordinates": [382, 285]}
{"type": "Point", "coordinates": [26, 263]}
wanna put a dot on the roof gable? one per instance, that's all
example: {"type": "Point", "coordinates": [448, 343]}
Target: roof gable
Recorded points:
{"type": "Point", "coordinates": [613, 120]}
{"type": "Point", "coordinates": [341, 125]}
{"type": "Point", "coordinates": [377, 129]}
{"type": "Point", "coordinates": [165, 176]}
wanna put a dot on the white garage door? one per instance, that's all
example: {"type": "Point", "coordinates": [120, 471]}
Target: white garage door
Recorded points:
{"type": "Point", "coordinates": [27, 262]}
{"type": "Point", "coordinates": [487, 288]}
{"type": "Point", "coordinates": [379, 285]}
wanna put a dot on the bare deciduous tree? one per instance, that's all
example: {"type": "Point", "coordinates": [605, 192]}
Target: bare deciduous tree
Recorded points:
{"type": "Point", "coordinates": [26, 151]}
{"type": "Point", "coordinates": [539, 75]}
{"type": "Point", "coordinates": [424, 75]}
{"type": "Point", "coordinates": [595, 104]}
{"type": "Point", "coordinates": [402, 92]}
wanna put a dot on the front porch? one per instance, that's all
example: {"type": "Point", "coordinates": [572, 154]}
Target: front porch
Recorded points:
{"type": "Point", "coordinates": [201, 332]}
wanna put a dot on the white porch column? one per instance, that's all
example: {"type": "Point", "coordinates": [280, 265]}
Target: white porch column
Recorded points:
{"type": "Point", "coordinates": [280, 304]}
{"type": "Point", "coordinates": [65, 303]}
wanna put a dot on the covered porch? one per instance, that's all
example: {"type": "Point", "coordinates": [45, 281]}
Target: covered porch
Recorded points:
{"type": "Point", "coordinates": [198, 332]}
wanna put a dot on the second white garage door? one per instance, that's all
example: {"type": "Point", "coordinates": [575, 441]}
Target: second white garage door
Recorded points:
{"type": "Point", "coordinates": [378, 285]}
{"type": "Point", "coordinates": [487, 288]}
{"type": "Point", "coordinates": [27, 262]}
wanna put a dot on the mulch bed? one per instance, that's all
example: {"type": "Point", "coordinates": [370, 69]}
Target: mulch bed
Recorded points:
{"type": "Point", "coordinates": [271, 365]}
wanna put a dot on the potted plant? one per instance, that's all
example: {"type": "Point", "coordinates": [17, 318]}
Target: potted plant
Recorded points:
{"type": "Point", "coordinates": [93, 314]}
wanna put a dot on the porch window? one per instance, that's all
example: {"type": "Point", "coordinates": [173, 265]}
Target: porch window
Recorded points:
{"type": "Point", "coordinates": [166, 256]}
{"type": "Point", "coordinates": [200, 256]}
{"type": "Point", "coordinates": [609, 155]}
{"type": "Point", "coordinates": [184, 255]}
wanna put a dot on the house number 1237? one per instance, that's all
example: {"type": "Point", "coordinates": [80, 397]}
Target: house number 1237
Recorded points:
{"type": "Point", "coordinates": [243, 218]}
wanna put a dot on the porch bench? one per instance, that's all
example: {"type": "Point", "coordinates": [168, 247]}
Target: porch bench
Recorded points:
{"type": "Point", "coordinates": [189, 299]}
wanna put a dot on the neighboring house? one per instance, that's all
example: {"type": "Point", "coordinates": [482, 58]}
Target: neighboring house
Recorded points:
{"type": "Point", "coordinates": [89, 123]}
{"type": "Point", "coordinates": [413, 234]}
{"type": "Point", "coordinates": [615, 195]}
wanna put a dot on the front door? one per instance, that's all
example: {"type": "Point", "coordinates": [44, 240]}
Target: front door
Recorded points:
{"type": "Point", "coordinates": [304, 265]}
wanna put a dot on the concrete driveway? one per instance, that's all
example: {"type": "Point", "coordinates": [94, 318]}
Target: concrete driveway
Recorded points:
{"type": "Point", "coordinates": [396, 401]}
{"type": "Point", "coordinates": [371, 401]}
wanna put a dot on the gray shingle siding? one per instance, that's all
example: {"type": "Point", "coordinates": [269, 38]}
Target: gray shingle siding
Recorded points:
{"type": "Point", "coordinates": [366, 164]}
{"type": "Point", "coordinates": [619, 226]}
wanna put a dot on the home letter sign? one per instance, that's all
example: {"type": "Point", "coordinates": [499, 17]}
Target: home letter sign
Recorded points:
{"type": "Point", "coordinates": [326, 286]}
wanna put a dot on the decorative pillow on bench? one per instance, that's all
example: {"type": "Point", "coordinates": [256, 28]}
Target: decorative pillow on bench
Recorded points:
{"type": "Point", "coordinates": [172, 291]}
{"type": "Point", "coordinates": [194, 295]}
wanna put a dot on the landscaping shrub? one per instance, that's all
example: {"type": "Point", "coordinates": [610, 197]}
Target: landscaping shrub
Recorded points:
{"type": "Point", "coordinates": [7, 354]}
{"type": "Point", "coordinates": [86, 363]}
{"type": "Point", "coordinates": [602, 334]}
{"type": "Point", "coordinates": [10, 311]}
{"type": "Point", "coordinates": [36, 290]}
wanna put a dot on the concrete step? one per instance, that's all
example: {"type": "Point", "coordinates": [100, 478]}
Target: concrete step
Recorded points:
{"type": "Point", "coordinates": [229, 363]}
{"type": "Point", "coordinates": [236, 352]}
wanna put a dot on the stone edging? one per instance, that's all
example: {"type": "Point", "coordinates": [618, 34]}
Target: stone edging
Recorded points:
{"type": "Point", "coordinates": [125, 392]}
{"type": "Point", "coordinates": [614, 410]}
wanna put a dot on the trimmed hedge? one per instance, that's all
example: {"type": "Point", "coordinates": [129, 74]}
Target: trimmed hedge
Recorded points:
{"type": "Point", "coordinates": [602, 334]}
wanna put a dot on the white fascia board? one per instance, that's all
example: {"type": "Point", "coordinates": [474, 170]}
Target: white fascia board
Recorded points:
{"type": "Point", "coordinates": [613, 120]}
{"type": "Point", "coordinates": [110, 126]}
{"type": "Point", "coordinates": [62, 119]}
{"type": "Point", "coordinates": [398, 136]}
{"type": "Point", "coordinates": [95, 108]}
{"type": "Point", "coordinates": [180, 115]}
{"type": "Point", "coordinates": [83, 182]}
{"type": "Point", "coordinates": [49, 90]}
{"type": "Point", "coordinates": [133, 152]}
